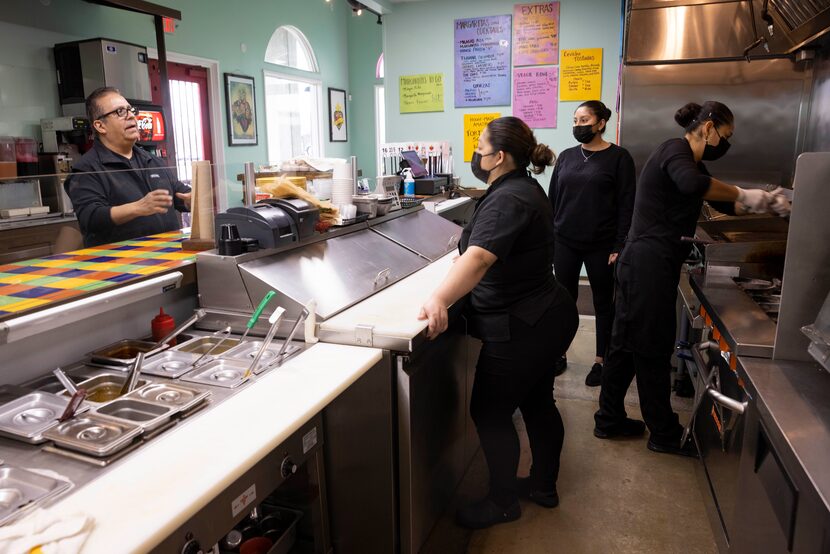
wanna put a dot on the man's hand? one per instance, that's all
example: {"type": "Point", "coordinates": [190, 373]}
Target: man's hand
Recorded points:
{"type": "Point", "coordinates": [612, 259]}
{"type": "Point", "coordinates": [185, 196]}
{"type": "Point", "coordinates": [156, 202]}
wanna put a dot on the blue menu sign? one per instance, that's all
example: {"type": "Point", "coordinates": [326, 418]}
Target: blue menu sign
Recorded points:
{"type": "Point", "coordinates": [482, 61]}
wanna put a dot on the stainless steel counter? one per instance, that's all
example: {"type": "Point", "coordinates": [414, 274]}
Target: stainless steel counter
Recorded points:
{"type": "Point", "coordinates": [745, 327]}
{"type": "Point", "coordinates": [35, 221]}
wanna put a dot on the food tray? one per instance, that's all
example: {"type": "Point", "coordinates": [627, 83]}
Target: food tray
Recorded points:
{"type": "Point", "coordinates": [167, 394]}
{"type": "Point", "coordinates": [93, 434]}
{"type": "Point", "coordinates": [106, 387]}
{"type": "Point", "coordinates": [409, 202]}
{"type": "Point", "coordinates": [120, 353]}
{"type": "Point", "coordinates": [170, 363]}
{"type": "Point", "coordinates": [202, 345]}
{"type": "Point", "coordinates": [219, 373]}
{"type": "Point", "coordinates": [21, 490]}
{"type": "Point", "coordinates": [29, 416]}
{"type": "Point", "coordinates": [248, 349]}
{"type": "Point", "coordinates": [148, 415]}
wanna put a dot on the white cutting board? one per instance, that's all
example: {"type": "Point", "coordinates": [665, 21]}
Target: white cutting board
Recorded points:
{"type": "Point", "coordinates": [393, 312]}
{"type": "Point", "coordinates": [161, 485]}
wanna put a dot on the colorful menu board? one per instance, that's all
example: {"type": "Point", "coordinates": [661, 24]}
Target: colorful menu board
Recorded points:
{"type": "Point", "coordinates": [581, 74]}
{"type": "Point", "coordinates": [482, 61]}
{"type": "Point", "coordinates": [421, 93]}
{"type": "Point", "coordinates": [474, 124]}
{"type": "Point", "coordinates": [536, 33]}
{"type": "Point", "coordinates": [534, 96]}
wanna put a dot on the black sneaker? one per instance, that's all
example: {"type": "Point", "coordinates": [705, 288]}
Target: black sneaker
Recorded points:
{"type": "Point", "coordinates": [486, 513]}
{"type": "Point", "coordinates": [594, 377]}
{"type": "Point", "coordinates": [544, 499]}
{"type": "Point", "coordinates": [689, 449]}
{"type": "Point", "coordinates": [628, 428]}
{"type": "Point", "coordinates": [560, 366]}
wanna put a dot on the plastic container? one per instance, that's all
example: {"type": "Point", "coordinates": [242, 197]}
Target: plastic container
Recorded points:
{"type": "Point", "coordinates": [408, 182]}
{"type": "Point", "coordinates": [26, 156]}
{"type": "Point", "coordinates": [8, 158]}
{"type": "Point", "coordinates": [162, 325]}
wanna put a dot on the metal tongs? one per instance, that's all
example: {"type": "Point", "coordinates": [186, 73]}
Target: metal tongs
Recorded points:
{"type": "Point", "coordinates": [223, 334]}
{"type": "Point", "coordinates": [78, 395]}
{"type": "Point", "coordinates": [132, 376]}
{"type": "Point", "coordinates": [300, 320]}
{"type": "Point", "coordinates": [162, 344]}
{"type": "Point", "coordinates": [274, 320]}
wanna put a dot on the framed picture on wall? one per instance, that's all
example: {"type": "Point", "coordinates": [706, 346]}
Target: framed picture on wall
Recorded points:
{"type": "Point", "coordinates": [241, 107]}
{"type": "Point", "coordinates": [338, 130]}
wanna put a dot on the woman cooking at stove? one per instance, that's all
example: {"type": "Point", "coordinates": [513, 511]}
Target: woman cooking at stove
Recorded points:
{"type": "Point", "coordinates": [524, 318]}
{"type": "Point", "coordinates": [592, 195]}
{"type": "Point", "coordinates": [670, 193]}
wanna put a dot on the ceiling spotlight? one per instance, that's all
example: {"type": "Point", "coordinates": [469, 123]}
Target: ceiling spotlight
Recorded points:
{"type": "Point", "coordinates": [359, 11]}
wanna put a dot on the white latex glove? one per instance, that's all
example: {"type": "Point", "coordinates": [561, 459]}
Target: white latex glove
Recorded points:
{"type": "Point", "coordinates": [781, 205]}
{"type": "Point", "coordinates": [756, 201]}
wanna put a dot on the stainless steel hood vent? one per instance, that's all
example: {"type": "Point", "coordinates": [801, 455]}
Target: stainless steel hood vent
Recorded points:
{"type": "Point", "coordinates": [803, 20]}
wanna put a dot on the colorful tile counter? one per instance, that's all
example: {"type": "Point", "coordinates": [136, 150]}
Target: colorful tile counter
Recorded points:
{"type": "Point", "coordinates": [33, 284]}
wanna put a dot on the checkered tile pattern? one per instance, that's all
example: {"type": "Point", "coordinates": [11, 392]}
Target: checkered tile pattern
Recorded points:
{"type": "Point", "coordinates": [36, 283]}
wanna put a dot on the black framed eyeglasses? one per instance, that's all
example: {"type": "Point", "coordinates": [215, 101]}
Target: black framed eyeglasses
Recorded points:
{"type": "Point", "coordinates": [121, 112]}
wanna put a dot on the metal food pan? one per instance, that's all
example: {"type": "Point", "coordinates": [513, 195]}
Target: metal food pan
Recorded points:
{"type": "Point", "coordinates": [170, 363]}
{"type": "Point", "coordinates": [29, 416]}
{"type": "Point", "coordinates": [248, 349]}
{"type": "Point", "coordinates": [106, 387]}
{"type": "Point", "coordinates": [94, 434]}
{"type": "Point", "coordinates": [167, 394]}
{"type": "Point", "coordinates": [21, 489]}
{"type": "Point", "coordinates": [148, 415]}
{"type": "Point", "coordinates": [219, 373]}
{"type": "Point", "coordinates": [120, 353]}
{"type": "Point", "coordinates": [201, 345]}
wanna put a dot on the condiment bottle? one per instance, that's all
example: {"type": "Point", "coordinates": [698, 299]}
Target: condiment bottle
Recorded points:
{"type": "Point", "coordinates": [162, 325]}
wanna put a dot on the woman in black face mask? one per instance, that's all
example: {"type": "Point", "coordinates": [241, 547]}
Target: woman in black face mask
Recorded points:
{"type": "Point", "coordinates": [524, 318]}
{"type": "Point", "coordinates": [592, 195]}
{"type": "Point", "coordinates": [670, 193]}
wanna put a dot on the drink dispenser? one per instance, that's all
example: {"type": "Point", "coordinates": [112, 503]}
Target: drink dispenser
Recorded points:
{"type": "Point", "coordinates": [26, 156]}
{"type": "Point", "coordinates": [8, 158]}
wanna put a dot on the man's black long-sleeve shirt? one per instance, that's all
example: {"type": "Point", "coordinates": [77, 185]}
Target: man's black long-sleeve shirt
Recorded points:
{"type": "Point", "coordinates": [102, 179]}
{"type": "Point", "coordinates": [593, 199]}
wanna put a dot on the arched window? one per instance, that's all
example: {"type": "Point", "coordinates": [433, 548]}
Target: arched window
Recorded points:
{"type": "Point", "coordinates": [379, 68]}
{"type": "Point", "coordinates": [289, 47]}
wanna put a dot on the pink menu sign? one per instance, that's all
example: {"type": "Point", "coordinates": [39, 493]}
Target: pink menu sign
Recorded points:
{"type": "Point", "coordinates": [535, 96]}
{"type": "Point", "coordinates": [536, 33]}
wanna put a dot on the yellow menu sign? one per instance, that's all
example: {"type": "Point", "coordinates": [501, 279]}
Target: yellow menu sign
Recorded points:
{"type": "Point", "coordinates": [474, 124]}
{"type": "Point", "coordinates": [421, 93]}
{"type": "Point", "coordinates": [580, 74]}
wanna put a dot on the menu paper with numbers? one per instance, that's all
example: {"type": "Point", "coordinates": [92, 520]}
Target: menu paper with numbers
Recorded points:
{"type": "Point", "coordinates": [474, 124]}
{"type": "Point", "coordinates": [580, 74]}
{"type": "Point", "coordinates": [534, 96]}
{"type": "Point", "coordinates": [536, 33]}
{"type": "Point", "coordinates": [421, 93]}
{"type": "Point", "coordinates": [482, 61]}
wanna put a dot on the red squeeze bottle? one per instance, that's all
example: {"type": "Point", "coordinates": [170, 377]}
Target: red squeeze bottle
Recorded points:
{"type": "Point", "coordinates": [162, 325]}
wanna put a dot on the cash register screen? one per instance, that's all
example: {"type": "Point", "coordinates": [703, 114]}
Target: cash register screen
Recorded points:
{"type": "Point", "coordinates": [418, 169]}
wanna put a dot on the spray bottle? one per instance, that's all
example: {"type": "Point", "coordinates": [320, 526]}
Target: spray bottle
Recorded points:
{"type": "Point", "coordinates": [408, 182]}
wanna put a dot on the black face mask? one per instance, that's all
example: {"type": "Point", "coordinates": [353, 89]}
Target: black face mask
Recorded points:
{"type": "Point", "coordinates": [712, 153]}
{"type": "Point", "coordinates": [475, 164]}
{"type": "Point", "coordinates": [584, 134]}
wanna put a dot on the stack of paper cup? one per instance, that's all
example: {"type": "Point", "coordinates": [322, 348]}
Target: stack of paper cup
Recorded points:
{"type": "Point", "coordinates": [341, 191]}
{"type": "Point", "coordinates": [341, 170]}
{"type": "Point", "coordinates": [322, 188]}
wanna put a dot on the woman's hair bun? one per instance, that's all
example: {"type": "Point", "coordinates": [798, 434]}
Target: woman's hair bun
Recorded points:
{"type": "Point", "coordinates": [686, 115]}
{"type": "Point", "coordinates": [541, 157]}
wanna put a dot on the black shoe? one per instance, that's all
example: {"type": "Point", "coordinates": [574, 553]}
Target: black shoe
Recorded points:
{"type": "Point", "coordinates": [594, 377]}
{"type": "Point", "coordinates": [544, 499]}
{"type": "Point", "coordinates": [683, 387]}
{"type": "Point", "coordinates": [689, 449]}
{"type": "Point", "coordinates": [560, 366]}
{"type": "Point", "coordinates": [486, 513]}
{"type": "Point", "coordinates": [628, 428]}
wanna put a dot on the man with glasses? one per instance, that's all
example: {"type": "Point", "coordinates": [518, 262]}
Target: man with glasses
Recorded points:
{"type": "Point", "coordinates": [118, 190]}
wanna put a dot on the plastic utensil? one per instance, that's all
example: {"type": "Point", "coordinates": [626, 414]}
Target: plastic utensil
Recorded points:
{"type": "Point", "coordinates": [251, 322]}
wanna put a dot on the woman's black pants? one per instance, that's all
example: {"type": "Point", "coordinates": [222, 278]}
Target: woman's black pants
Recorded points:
{"type": "Point", "coordinates": [567, 263]}
{"type": "Point", "coordinates": [519, 374]}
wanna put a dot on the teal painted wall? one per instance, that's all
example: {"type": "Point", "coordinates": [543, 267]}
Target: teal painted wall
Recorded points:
{"type": "Point", "coordinates": [365, 47]}
{"type": "Point", "coordinates": [213, 29]}
{"type": "Point", "coordinates": [419, 39]}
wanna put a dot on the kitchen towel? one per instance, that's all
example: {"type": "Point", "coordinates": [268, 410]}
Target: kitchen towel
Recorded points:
{"type": "Point", "coordinates": [46, 533]}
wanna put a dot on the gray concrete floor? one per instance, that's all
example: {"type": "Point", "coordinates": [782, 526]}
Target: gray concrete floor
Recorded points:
{"type": "Point", "coordinates": [616, 496]}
